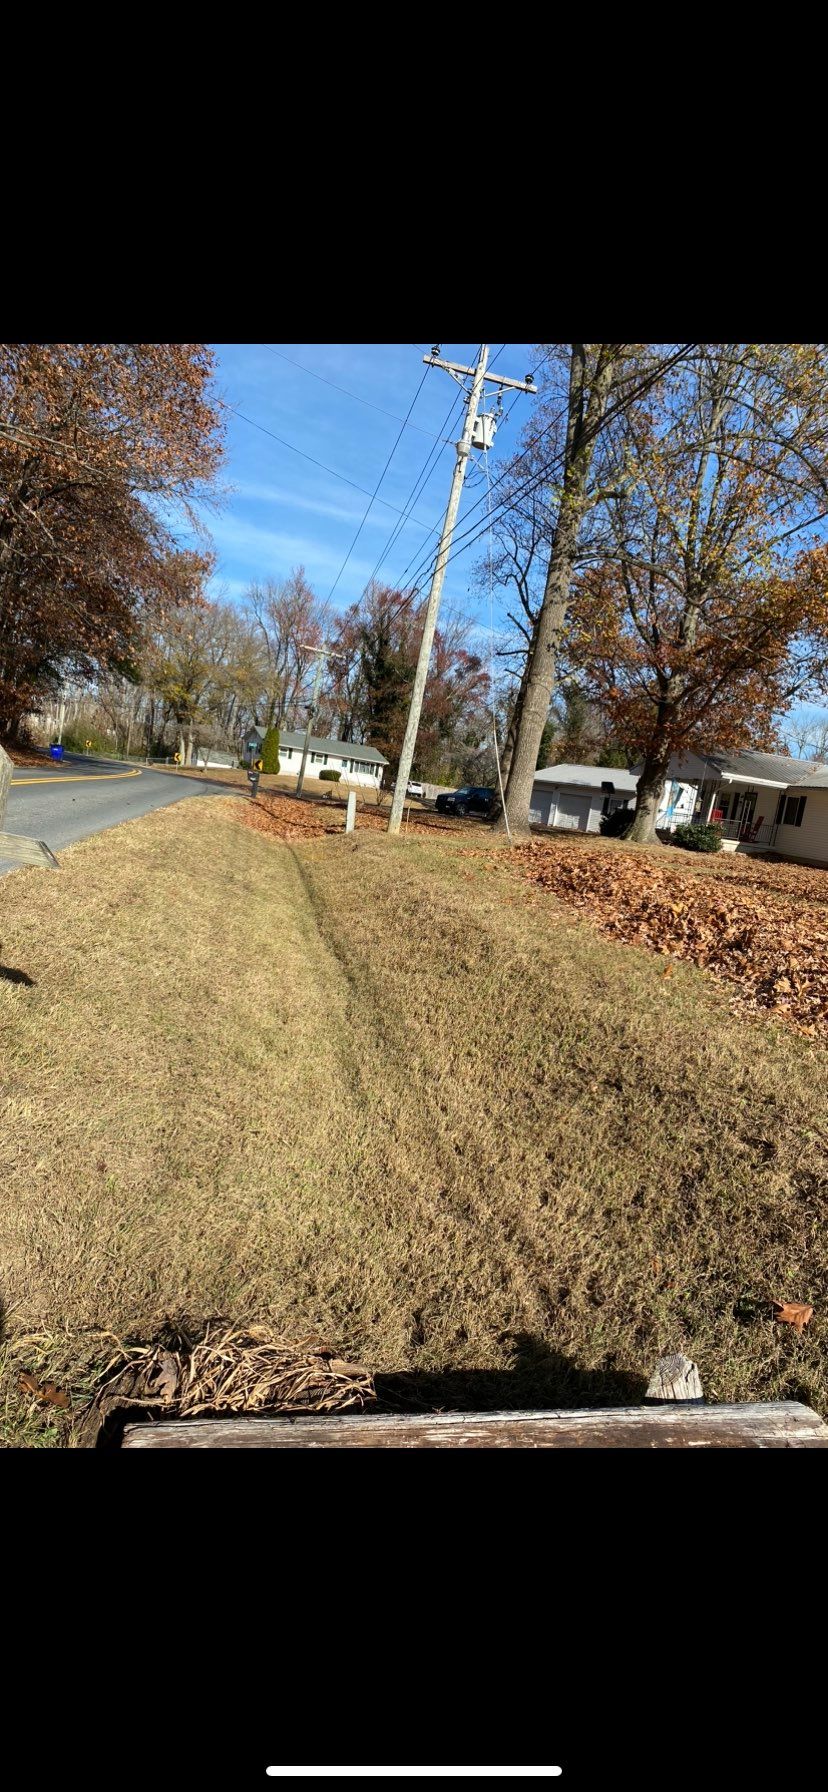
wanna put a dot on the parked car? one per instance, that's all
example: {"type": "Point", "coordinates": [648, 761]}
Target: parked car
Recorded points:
{"type": "Point", "coordinates": [413, 789]}
{"type": "Point", "coordinates": [472, 799]}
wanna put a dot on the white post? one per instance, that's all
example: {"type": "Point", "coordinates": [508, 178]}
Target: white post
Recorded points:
{"type": "Point", "coordinates": [350, 812]}
{"type": "Point", "coordinates": [432, 608]}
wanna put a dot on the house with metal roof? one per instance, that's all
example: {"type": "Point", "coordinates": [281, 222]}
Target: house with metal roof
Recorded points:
{"type": "Point", "coordinates": [761, 801]}
{"type": "Point", "coordinates": [356, 762]}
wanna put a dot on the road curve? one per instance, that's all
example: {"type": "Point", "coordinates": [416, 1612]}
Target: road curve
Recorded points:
{"type": "Point", "coordinates": [72, 799]}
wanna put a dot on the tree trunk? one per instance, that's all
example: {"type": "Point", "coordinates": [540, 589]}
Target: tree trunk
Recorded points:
{"type": "Point", "coordinates": [512, 731]}
{"type": "Point", "coordinates": [648, 798]}
{"type": "Point", "coordinates": [585, 414]}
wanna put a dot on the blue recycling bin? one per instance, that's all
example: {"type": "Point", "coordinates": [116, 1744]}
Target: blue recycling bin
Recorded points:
{"type": "Point", "coordinates": [56, 752]}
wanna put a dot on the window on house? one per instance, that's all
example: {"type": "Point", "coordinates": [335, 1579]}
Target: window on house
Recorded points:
{"type": "Point", "coordinates": [324, 758]}
{"type": "Point", "coordinates": [288, 752]}
{"type": "Point", "coordinates": [794, 811]}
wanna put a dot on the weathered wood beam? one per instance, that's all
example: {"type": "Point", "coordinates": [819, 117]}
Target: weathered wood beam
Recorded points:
{"type": "Point", "coordinates": [15, 846]}
{"type": "Point", "coordinates": [27, 852]}
{"type": "Point", "coordinates": [783, 1426]}
{"type": "Point", "coordinates": [675, 1378]}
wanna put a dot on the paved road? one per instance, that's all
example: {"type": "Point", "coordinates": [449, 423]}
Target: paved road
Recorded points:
{"type": "Point", "coordinates": [70, 800]}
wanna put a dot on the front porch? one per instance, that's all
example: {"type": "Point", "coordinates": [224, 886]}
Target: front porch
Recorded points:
{"type": "Point", "coordinates": [747, 811]}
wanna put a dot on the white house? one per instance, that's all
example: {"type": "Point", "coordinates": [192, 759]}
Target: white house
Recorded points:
{"type": "Point", "coordinates": [578, 796]}
{"type": "Point", "coordinates": [357, 764]}
{"type": "Point", "coordinates": [761, 801]}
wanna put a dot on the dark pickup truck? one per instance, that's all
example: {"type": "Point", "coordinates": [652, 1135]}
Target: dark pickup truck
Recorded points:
{"type": "Point", "coordinates": [473, 799]}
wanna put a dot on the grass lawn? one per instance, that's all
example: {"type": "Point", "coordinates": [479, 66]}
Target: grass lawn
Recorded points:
{"type": "Point", "coordinates": [390, 1092]}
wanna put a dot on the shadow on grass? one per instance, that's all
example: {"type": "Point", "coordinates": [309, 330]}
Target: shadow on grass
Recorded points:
{"type": "Point", "coordinates": [540, 1378]}
{"type": "Point", "coordinates": [7, 975]}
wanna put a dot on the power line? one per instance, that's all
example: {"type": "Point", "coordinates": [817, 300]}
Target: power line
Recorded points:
{"type": "Point", "coordinates": [348, 394]}
{"type": "Point", "coordinates": [332, 470]}
{"type": "Point", "coordinates": [491, 645]}
{"type": "Point", "coordinates": [417, 490]}
{"type": "Point", "coordinates": [417, 552]}
{"type": "Point", "coordinates": [548, 467]}
{"type": "Point", "coordinates": [424, 477]}
{"type": "Point", "coordinates": [378, 484]}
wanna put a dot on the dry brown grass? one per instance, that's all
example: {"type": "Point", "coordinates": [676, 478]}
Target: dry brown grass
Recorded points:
{"type": "Point", "coordinates": [371, 1090]}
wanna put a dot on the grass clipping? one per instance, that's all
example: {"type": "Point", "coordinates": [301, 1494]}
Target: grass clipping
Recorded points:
{"type": "Point", "coordinates": [228, 1369]}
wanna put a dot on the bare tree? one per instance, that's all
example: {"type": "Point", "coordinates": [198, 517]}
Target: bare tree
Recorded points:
{"type": "Point", "coordinates": [288, 618]}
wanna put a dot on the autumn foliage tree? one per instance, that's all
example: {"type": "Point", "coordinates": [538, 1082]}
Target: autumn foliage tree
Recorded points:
{"type": "Point", "coordinates": [757, 644]}
{"type": "Point", "coordinates": [706, 610]}
{"type": "Point", "coordinates": [371, 675]}
{"type": "Point", "coordinates": [99, 444]}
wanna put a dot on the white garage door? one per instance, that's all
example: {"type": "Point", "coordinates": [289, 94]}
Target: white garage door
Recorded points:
{"type": "Point", "coordinates": [542, 807]}
{"type": "Point", "coordinates": [573, 811]}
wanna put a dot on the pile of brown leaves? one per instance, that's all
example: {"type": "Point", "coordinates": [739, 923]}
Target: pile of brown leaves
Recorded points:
{"type": "Point", "coordinates": [745, 927]}
{"type": "Point", "coordinates": [27, 756]}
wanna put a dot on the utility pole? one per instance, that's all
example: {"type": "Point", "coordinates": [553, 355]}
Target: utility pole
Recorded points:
{"type": "Point", "coordinates": [468, 438]}
{"type": "Point", "coordinates": [324, 654]}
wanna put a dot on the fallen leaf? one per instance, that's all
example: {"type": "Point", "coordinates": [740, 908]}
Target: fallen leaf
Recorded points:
{"type": "Point", "coordinates": [165, 1379]}
{"type": "Point", "coordinates": [340, 1367]}
{"type": "Point", "coordinates": [793, 1312]}
{"type": "Point", "coordinates": [48, 1392]}
{"type": "Point", "coordinates": [668, 970]}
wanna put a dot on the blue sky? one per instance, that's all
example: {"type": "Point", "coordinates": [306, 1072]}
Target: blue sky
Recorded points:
{"type": "Point", "coordinates": [282, 511]}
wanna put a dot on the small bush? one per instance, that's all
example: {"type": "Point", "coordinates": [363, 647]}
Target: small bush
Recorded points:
{"type": "Point", "coordinates": [270, 751]}
{"type": "Point", "coordinates": [329, 775]}
{"type": "Point", "coordinates": [616, 823]}
{"type": "Point", "coordinates": [698, 836]}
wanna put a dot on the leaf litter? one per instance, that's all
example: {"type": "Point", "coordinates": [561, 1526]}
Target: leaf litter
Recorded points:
{"type": "Point", "coordinates": [761, 929]}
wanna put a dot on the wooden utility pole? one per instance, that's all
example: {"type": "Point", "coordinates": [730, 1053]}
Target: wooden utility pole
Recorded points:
{"type": "Point", "coordinates": [478, 377]}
